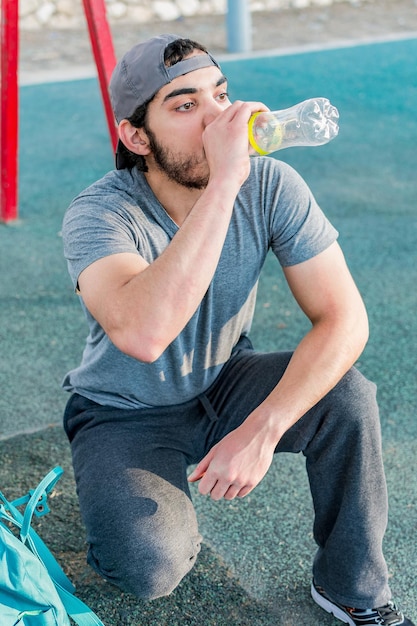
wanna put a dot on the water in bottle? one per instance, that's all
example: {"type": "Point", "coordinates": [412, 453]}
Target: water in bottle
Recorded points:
{"type": "Point", "coordinates": [313, 122]}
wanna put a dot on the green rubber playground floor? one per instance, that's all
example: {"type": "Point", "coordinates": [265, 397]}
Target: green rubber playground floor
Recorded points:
{"type": "Point", "coordinates": [256, 562]}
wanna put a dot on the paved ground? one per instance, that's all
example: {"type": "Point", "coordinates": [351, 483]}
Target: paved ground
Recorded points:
{"type": "Point", "coordinates": [68, 52]}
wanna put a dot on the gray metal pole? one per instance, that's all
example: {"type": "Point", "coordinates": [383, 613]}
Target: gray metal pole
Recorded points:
{"type": "Point", "coordinates": [239, 26]}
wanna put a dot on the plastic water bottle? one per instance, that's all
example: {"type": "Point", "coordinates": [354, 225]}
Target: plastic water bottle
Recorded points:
{"type": "Point", "coordinates": [313, 122]}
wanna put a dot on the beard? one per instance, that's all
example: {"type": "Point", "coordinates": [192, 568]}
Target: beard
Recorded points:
{"type": "Point", "coordinates": [178, 167]}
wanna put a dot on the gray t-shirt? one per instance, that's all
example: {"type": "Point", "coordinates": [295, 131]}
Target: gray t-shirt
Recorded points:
{"type": "Point", "coordinates": [273, 210]}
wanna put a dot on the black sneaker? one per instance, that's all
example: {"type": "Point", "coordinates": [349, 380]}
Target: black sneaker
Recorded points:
{"type": "Point", "coordinates": [387, 615]}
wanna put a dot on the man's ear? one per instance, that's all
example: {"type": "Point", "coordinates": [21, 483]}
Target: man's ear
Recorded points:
{"type": "Point", "coordinates": [135, 139]}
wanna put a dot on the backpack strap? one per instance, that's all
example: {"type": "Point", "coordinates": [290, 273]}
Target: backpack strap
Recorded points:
{"type": "Point", "coordinates": [29, 536]}
{"type": "Point", "coordinates": [38, 498]}
{"type": "Point", "coordinates": [78, 610]}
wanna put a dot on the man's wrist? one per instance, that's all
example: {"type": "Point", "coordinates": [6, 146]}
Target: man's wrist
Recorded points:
{"type": "Point", "coordinates": [269, 422]}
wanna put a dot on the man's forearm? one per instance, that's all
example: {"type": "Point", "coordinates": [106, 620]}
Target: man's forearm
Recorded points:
{"type": "Point", "coordinates": [158, 302]}
{"type": "Point", "coordinates": [320, 360]}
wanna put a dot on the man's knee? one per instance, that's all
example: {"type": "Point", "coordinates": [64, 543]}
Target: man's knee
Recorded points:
{"type": "Point", "coordinates": [350, 417]}
{"type": "Point", "coordinates": [347, 410]}
{"type": "Point", "coordinates": [147, 574]}
{"type": "Point", "coordinates": [355, 396]}
{"type": "Point", "coordinates": [155, 579]}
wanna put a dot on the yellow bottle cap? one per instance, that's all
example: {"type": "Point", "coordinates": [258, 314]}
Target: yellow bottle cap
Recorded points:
{"type": "Point", "coordinates": [274, 141]}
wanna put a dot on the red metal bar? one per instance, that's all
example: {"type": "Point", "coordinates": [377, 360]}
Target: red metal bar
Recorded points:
{"type": "Point", "coordinates": [9, 109]}
{"type": "Point", "coordinates": [102, 44]}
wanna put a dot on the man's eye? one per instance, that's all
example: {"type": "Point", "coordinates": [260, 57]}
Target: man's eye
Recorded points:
{"type": "Point", "coordinates": [223, 96]}
{"type": "Point", "coordinates": [185, 107]}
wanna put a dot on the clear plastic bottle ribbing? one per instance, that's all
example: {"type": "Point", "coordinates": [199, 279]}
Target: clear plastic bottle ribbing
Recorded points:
{"type": "Point", "coordinates": [313, 122]}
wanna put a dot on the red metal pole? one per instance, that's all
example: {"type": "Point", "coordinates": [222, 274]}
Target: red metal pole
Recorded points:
{"type": "Point", "coordinates": [9, 109]}
{"type": "Point", "coordinates": [102, 44]}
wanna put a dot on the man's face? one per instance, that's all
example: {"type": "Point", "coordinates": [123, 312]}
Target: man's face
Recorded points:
{"type": "Point", "coordinates": [175, 122]}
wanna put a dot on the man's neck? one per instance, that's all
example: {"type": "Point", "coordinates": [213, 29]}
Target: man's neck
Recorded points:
{"type": "Point", "coordinates": [176, 199]}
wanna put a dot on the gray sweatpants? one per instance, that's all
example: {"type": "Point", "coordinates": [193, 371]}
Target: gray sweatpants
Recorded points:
{"type": "Point", "coordinates": [130, 469]}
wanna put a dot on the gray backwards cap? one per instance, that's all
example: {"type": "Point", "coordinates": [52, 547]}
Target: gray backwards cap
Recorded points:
{"type": "Point", "coordinates": [142, 72]}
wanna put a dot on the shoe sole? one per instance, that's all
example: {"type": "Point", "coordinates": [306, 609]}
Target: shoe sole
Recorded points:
{"type": "Point", "coordinates": [330, 607]}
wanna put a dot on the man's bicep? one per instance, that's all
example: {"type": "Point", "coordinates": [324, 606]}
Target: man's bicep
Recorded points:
{"type": "Point", "coordinates": [100, 283]}
{"type": "Point", "coordinates": [323, 285]}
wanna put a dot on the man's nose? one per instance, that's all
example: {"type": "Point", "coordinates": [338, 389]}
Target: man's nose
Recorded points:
{"type": "Point", "coordinates": [212, 110]}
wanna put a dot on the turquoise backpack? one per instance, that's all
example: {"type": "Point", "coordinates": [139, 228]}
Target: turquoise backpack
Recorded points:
{"type": "Point", "coordinates": [34, 591]}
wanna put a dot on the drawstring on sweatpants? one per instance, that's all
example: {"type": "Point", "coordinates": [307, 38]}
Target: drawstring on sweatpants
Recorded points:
{"type": "Point", "coordinates": [208, 407]}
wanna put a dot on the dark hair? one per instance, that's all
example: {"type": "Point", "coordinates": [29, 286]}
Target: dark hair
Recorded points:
{"type": "Point", "coordinates": [175, 52]}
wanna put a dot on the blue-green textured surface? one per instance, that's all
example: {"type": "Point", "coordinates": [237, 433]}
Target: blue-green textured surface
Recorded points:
{"type": "Point", "coordinates": [255, 568]}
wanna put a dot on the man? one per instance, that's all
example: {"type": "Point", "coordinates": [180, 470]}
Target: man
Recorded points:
{"type": "Point", "coordinates": [165, 253]}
